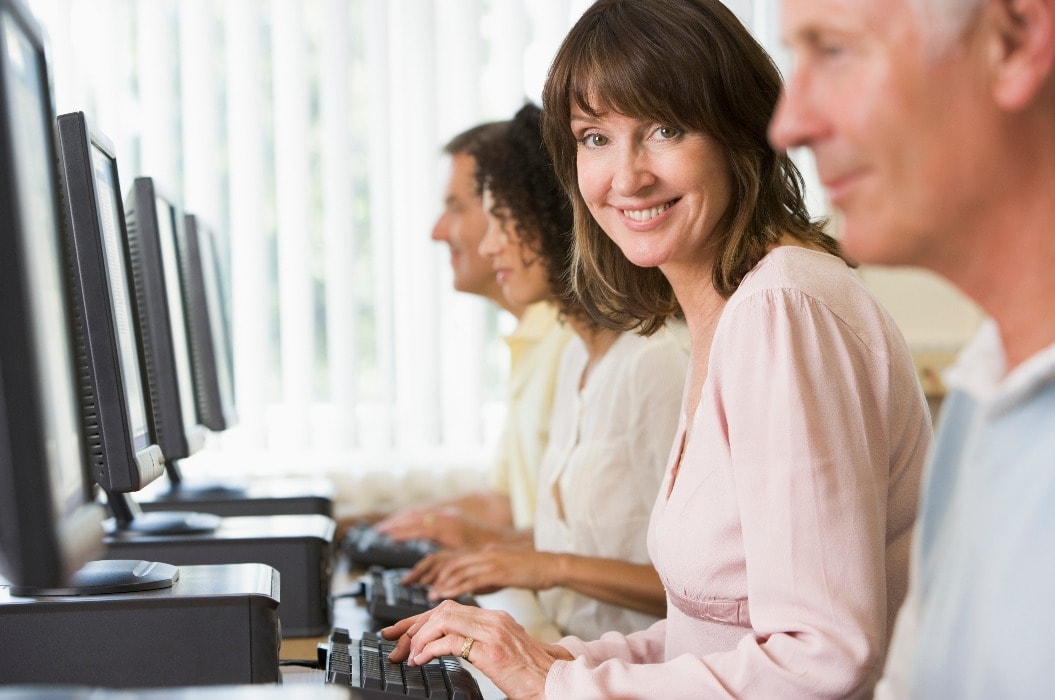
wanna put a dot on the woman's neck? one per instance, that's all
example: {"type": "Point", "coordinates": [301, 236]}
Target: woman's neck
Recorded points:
{"type": "Point", "coordinates": [598, 341]}
{"type": "Point", "coordinates": [701, 305]}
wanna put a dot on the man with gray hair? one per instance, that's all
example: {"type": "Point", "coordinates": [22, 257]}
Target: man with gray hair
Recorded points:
{"type": "Point", "coordinates": [933, 127]}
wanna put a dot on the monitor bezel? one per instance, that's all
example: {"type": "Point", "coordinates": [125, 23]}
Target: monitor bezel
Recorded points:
{"type": "Point", "coordinates": [121, 460]}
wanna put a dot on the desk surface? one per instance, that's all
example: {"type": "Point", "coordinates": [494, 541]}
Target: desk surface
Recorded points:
{"type": "Point", "coordinates": [350, 613]}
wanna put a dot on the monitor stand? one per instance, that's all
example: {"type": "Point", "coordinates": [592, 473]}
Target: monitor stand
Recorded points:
{"type": "Point", "coordinates": [257, 496]}
{"type": "Point", "coordinates": [129, 516]}
{"type": "Point", "coordinates": [299, 547]}
{"type": "Point", "coordinates": [214, 625]}
{"type": "Point", "coordinates": [109, 576]}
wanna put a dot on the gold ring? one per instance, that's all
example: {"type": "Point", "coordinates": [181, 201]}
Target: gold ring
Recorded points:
{"type": "Point", "coordinates": [467, 647]}
{"type": "Point", "coordinates": [428, 520]}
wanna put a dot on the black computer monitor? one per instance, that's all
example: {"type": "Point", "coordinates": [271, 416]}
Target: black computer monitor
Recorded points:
{"type": "Point", "coordinates": [209, 325]}
{"type": "Point", "coordinates": [124, 455]}
{"type": "Point", "coordinates": [155, 228]}
{"type": "Point", "coordinates": [50, 524]}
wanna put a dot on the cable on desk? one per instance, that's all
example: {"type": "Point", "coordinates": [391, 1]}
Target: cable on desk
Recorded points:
{"type": "Point", "coordinates": [306, 663]}
{"type": "Point", "coordinates": [347, 595]}
{"type": "Point", "coordinates": [357, 591]}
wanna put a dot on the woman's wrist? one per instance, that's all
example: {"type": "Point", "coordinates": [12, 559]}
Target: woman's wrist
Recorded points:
{"type": "Point", "coordinates": [559, 567]}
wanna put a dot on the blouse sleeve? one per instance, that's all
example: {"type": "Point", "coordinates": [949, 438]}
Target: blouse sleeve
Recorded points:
{"type": "Point", "coordinates": [802, 398]}
{"type": "Point", "coordinates": [896, 675]}
{"type": "Point", "coordinates": [642, 647]}
{"type": "Point", "coordinates": [808, 425]}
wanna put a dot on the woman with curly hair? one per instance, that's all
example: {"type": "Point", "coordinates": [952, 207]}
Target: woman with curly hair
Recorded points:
{"type": "Point", "coordinates": [614, 415]}
{"type": "Point", "coordinates": [783, 524]}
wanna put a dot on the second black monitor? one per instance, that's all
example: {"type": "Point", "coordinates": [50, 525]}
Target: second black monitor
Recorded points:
{"type": "Point", "coordinates": [155, 224]}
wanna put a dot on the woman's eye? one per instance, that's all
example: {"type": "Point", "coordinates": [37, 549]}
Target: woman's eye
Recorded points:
{"type": "Point", "coordinates": [593, 140]}
{"type": "Point", "coordinates": [665, 133]}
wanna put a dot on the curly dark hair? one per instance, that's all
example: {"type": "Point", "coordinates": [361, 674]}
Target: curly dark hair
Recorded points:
{"type": "Point", "coordinates": [515, 167]}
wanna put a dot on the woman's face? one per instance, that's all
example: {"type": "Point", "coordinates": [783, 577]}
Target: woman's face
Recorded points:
{"type": "Point", "coordinates": [520, 271]}
{"type": "Point", "coordinates": [656, 190]}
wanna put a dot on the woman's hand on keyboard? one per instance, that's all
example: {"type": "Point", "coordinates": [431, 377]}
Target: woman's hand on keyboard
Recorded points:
{"type": "Point", "coordinates": [424, 573]}
{"type": "Point", "coordinates": [447, 526]}
{"type": "Point", "coordinates": [423, 523]}
{"type": "Point", "coordinates": [486, 571]}
{"type": "Point", "coordinates": [500, 648]}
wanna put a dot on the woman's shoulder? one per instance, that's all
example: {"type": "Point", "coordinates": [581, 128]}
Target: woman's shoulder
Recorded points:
{"type": "Point", "coordinates": [672, 339]}
{"type": "Point", "coordinates": [795, 272]}
{"type": "Point", "coordinates": [797, 267]}
{"type": "Point", "coordinates": [792, 282]}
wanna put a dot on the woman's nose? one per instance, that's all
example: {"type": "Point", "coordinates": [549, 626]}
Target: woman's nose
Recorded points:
{"type": "Point", "coordinates": [632, 171]}
{"type": "Point", "coordinates": [492, 240]}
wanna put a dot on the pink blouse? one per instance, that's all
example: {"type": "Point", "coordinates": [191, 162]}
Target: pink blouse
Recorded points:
{"type": "Point", "coordinates": [783, 537]}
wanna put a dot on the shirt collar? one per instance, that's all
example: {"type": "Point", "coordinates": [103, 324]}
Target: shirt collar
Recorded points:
{"type": "Point", "coordinates": [981, 372]}
{"type": "Point", "coordinates": [535, 323]}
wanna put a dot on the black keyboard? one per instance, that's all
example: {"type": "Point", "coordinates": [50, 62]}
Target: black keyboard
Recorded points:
{"type": "Point", "coordinates": [388, 600]}
{"type": "Point", "coordinates": [365, 546]}
{"type": "Point", "coordinates": [363, 664]}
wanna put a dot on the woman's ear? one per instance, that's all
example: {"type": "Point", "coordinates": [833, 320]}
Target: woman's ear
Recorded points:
{"type": "Point", "coordinates": [1020, 36]}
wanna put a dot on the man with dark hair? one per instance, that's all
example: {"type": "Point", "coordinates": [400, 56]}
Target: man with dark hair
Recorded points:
{"type": "Point", "coordinates": [506, 510]}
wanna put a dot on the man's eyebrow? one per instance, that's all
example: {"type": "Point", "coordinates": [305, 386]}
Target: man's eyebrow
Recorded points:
{"type": "Point", "coordinates": [809, 35]}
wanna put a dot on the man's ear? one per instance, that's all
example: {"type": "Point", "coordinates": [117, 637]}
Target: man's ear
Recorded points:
{"type": "Point", "coordinates": [1021, 49]}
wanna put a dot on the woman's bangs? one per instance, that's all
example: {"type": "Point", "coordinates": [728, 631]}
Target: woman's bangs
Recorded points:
{"type": "Point", "coordinates": [607, 78]}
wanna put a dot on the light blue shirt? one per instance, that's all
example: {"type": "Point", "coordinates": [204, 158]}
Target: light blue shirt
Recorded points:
{"type": "Point", "coordinates": [980, 615]}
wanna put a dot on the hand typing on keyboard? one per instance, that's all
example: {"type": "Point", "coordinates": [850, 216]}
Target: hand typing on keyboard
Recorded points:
{"type": "Point", "coordinates": [446, 526]}
{"type": "Point", "coordinates": [489, 639]}
{"type": "Point", "coordinates": [452, 573]}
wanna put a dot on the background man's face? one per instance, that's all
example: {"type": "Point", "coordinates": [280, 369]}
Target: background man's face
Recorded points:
{"type": "Point", "coordinates": [893, 124]}
{"type": "Point", "coordinates": [461, 226]}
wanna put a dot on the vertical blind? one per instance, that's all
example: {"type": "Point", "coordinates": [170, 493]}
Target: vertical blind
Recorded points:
{"type": "Point", "coordinates": [308, 133]}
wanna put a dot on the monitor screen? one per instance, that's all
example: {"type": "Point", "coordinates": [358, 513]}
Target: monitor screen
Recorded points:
{"type": "Point", "coordinates": [104, 169]}
{"type": "Point", "coordinates": [170, 223]}
{"type": "Point", "coordinates": [48, 524]}
{"type": "Point", "coordinates": [123, 456]}
{"type": "Point", "coordinates": [209, 326]}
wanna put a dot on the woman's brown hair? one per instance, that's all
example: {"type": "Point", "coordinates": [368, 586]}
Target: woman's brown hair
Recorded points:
{"type": "Point", "coordinates": [690, 64]}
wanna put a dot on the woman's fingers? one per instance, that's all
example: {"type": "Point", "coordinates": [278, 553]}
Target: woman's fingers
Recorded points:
{"type": "Point", "coordinates": [425, 571]}
{"type": "Point", "coordinates": [402, 632]}
{"type": "Point", "coordinates": [490, 639]}
{"type": "Point", "coordinates": [468, 575]}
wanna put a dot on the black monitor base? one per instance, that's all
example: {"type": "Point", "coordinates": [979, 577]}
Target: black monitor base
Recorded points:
{"type": "Point", "coordinates": [169, 522]}
{"type": "Point", "coordinates": [204, 491]}
{"type": "Point", "coordinates": [258, 496]}
{"type": "Point", "coordinates": [107, 576]}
